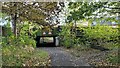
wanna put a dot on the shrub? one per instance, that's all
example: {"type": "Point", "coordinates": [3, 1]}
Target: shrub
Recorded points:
{"type": "Point", "coordinates": [25, 40]}
{"type": "Point", "coordinates": [101, 34]}
{"type": "Point", "coordinates": [67, 38]}
{"type": "Point", "coordinates": [19, 41]}
{"type": "Point", "coordinates": [22, 39]}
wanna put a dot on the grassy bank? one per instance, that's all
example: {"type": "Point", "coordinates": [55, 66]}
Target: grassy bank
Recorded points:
{"type": "Point", "coordinates": [96, 57]}
{"type": "Point", "coordinates": [24, 56]}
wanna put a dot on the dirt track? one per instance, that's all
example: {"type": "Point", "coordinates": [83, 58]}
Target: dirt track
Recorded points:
{"type": "Point", "coordinates": [59, 57]}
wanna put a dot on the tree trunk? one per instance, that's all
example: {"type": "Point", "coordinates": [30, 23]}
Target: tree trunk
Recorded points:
{"type": "Point", "coordinates": [14, 20]}
{"type": "Point", "coordinates": [75, 28]}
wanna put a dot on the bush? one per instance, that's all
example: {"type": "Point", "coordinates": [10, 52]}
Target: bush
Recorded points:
{"type": "Point", "coordinates": [19, 41]}
{"type": "Point", "coordinates": [25, 40]}
{"type": "Point", "coordinates": [67, 38]}
{"type": "Point", "coordinates": [22, 39]}
{"type": "Point", "coordinates": [101, 34]}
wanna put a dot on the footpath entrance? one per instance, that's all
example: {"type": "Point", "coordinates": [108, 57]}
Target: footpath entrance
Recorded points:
{"type": "Point", "coordinates": [47, 41]}
{"type": "Point", "coordinates": [48, 37]}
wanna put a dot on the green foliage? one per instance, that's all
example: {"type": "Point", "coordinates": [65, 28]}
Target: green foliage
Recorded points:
{"type": "Point", "coordinates": [26, 41]}
{"type": "Point", "coordinates": [84, 10]}
{"type": "Point", "coordinates": [25, 29]}
{"type": "Point", "coordinates": [23, 56]}
{"type": "Point", "coordinates": [36, 12]}
{"type": "Point", "coordinates": [67, 38]}
{"type": "Point", "coordinates": [104, 36]}
{"type": "Point", "coordinates": [81, 10]}
{"type": "Point", "coordinates": [23, 38]}
{"type": "Point", "coordinates": [113, 57]}
{"type": "Point", "coordinates": [99, 35]}
{"type": "Point", "coordinates": [102, 32]}
{"type": "Point", "coordinates": [20, 41]}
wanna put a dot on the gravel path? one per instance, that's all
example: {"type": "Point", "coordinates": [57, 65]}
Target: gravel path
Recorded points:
{"type": "Point", "coordinates": [59, 57]}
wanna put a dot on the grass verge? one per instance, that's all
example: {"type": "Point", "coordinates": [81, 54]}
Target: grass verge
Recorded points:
{"type": "Point", "coordinates": [96, 57]}
{"type": "Point", "coordinates": [24, 56]}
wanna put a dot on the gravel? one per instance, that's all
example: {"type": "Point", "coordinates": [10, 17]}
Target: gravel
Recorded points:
{"type": "Point", "coordinates": [60, 57]}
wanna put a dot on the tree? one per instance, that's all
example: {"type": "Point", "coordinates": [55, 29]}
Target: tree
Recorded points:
{"type": "Point", "coordinates": [94, 10]}
{"type": "Point", "coordinates": [36, 12]}
{"type": "Point", "coordinates": [113, 9]}
{"type": "Point", "coordinates": [81, 10]}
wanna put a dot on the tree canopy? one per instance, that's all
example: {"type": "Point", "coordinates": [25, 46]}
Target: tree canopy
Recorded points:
{"type": "Point", "coordinates": [35, 12]}
{"type": "Point", "coordinates": [81, 10]}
